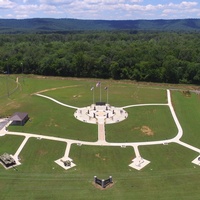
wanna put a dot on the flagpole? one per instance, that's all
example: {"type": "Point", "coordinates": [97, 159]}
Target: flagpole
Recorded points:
{"type": "Point", "coordinates": [93, 95]}
{"type": "Point", "coordinates": [99, 85]}
{"type": "Point", "coordinates": [107, 95]}
{"type": "Point", "coordinates": [106, 88]}
{"type": "Point", "coordinates": [92, 89]}
{"type": "Point", "coordinates": [100, 92]}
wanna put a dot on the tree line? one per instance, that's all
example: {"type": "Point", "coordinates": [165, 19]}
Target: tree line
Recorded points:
{"type": "Point", "coordinates": [169, 57]}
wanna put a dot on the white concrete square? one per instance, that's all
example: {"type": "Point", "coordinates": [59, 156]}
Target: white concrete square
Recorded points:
{"type": "Point", "coordinates": [61, 163]}
{"type": "Point", "coordinates": [196, 161]}
{"type": "Point", "coordinates": [139, 163]}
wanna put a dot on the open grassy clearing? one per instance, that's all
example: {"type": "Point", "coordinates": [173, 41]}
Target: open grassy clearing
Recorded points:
{"type": "Point", "coordinates": [43, 154]}
{"type": "Point", "coordinates": [7, 85]}
{"type": "Point", "coordinates": [23, 97]}
{"type": "Point", "coordinates": [169, 157]}
{"type": "Point", "coordinates": [118, 95]}
{"type": "Point", "coordinates": [170, 175]}
{"type": "Point", "coordinates": [167, 177]}
{"type": "Point", "coordinates": [188, 112]}
{"type": "Point", "coordinates": [146, 123]}
{"type": "Point", "coordinates": [55, 120]}
{"type": "Point", "coordinates": [10, 144]}
{"type": "Point", "coordinates": [104, 161]}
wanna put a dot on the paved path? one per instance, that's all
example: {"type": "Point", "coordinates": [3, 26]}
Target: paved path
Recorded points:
{"type": "Point", "coordinates": [101, 133]}
{"type": "Point", "coordinates": [56, 101]}
{"type": "Point", "coordinates": [139, 163]}
{"type": "Point", "coordinates": [21, 147]}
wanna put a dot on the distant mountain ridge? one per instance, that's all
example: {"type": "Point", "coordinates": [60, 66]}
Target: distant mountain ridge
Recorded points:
{"type": "Point", "coordinates": [63, 25]}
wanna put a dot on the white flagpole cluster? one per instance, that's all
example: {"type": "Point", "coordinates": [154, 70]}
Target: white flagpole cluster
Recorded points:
{"type": "Point", "coordinates": [98, 84]}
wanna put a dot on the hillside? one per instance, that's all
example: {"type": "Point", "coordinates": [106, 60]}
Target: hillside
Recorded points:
{"type": "Point", "coordinates": [39, 25]}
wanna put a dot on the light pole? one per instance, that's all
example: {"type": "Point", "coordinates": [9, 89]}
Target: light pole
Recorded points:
{"type": "Point", "coordinates": [99, 85]}
{"type": "Point", "coordinates": [8, 94]}
{"type": "Point", "coordinates": [92, 89]}
{"type": "Point", "coordinates": [22, 71]}
{"type": "Point", "coordinates": [106, 88]}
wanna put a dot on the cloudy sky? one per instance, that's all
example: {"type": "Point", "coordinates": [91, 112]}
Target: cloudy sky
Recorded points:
{"type": "Point", "coordinates": [100, 9]}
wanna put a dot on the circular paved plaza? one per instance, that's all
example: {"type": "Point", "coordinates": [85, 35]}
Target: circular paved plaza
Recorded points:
{"type": "Point", "coordinates": [100, 114]}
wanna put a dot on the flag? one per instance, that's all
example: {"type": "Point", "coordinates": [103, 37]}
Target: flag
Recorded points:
{"type": "Point", "coordinates": [98, 84]}
{"type": "Point", "coordinates": [92, 88]}
{"type": "Point", "coordinates": [105, 88]}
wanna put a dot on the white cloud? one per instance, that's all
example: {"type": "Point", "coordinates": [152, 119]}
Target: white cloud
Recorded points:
{"type": "Point", "coordinates": [188, 4]}
{"type": "Point", "coordinates": [6, 4]}
{"type": "Point", "coordinates": [182, 9]}
{"type": "Point", "coordinates": [56, 2]}
{"type": "Point", "coordinates": [182, 5]}
{"type": "Point", "coordinates": [26, 10]}
{"type": "Point", "coordinates": [111, 2]}
{"type": "Point", "coordinates": [47, 7]}
{"type": "Point", "coordinates": [123, 9]}
{"type": "Point", "coordinates": [9, 16]}
{"type": "Point", "coordinates": [98, 9]}
{"type": "Point", "coordinates": [136, 1]}
{"type": "Point", "coordinates": [21, 16]}
{"type": "Point", "coordinates": [93, 1]}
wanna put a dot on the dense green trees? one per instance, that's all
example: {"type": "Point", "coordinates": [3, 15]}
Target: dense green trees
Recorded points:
{"type": "Point", "coordinates": [142, 56]}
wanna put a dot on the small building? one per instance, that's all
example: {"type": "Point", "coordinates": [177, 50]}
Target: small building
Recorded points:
{"type": "Point", "coordinates": [7, 160]}
{"type": "Point", "coordinates": [19, 118]}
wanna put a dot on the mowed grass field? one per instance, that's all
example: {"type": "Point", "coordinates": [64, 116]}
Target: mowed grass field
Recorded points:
{"type": "Point", "coordinates": [7, 85]}
{"type": "Point", "coordinates": [155, 121]}
{"type": "Point", "coordinates": [170, 175]}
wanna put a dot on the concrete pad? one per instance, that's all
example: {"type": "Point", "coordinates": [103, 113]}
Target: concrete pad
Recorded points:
{"type": "Point", "coordinates": [16, 160]}
{"type": "Point", "coordinates": [196, 161]}
{"type": "Point", "coordinates": [2, 134]}
{"type": "Point", "coordinates": [139, 163]}
{"type": "Point", "coordinates": [60, 162]}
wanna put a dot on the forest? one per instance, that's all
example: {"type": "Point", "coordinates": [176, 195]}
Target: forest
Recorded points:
{"type": "Point", "coordinates": [151, 56]}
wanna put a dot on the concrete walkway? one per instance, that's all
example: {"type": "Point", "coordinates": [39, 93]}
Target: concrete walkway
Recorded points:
{"type": "Point", "coordinates": [138, 162]}
{"type": "Point", "coordinates": [101, 133]}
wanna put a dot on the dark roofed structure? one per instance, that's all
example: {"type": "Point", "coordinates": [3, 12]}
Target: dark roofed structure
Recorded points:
{"type": "Point", "coordinates": [100, 103]}
{"type": "Point", "coordinates": [19, 118]}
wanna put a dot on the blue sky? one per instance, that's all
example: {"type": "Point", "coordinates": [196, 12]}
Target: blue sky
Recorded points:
{"type": "Point", "coordinates": [100, 9]}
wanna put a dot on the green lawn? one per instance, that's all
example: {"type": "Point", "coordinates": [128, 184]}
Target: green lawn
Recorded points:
{"type": "Point", "coordinates": [7, 85]}
{"type": "Point", "coordinates": [43, 154]}
{"type": "Point", "coordinates": [118, 95]}
{"type": "Point", "coordinates": [104, 161]}
{"type": "Point", "coordinates": [157, 118]}
{"type": "Point", "coordinates": [188, 112]}
{"type": "Point", "coordinates": [170, 174]}
{"type": "Point", "coordinates": [10, 144]}
{"type": "Point", "coordinates": [49, 118]}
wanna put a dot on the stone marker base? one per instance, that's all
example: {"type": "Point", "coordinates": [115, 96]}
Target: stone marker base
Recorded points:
{"type": "Point", "coordinates": [196, 161]}
{"type": "Point", "coordinates": [139, 163]}
{"type": "Point", "coordinates": [61, 162]}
